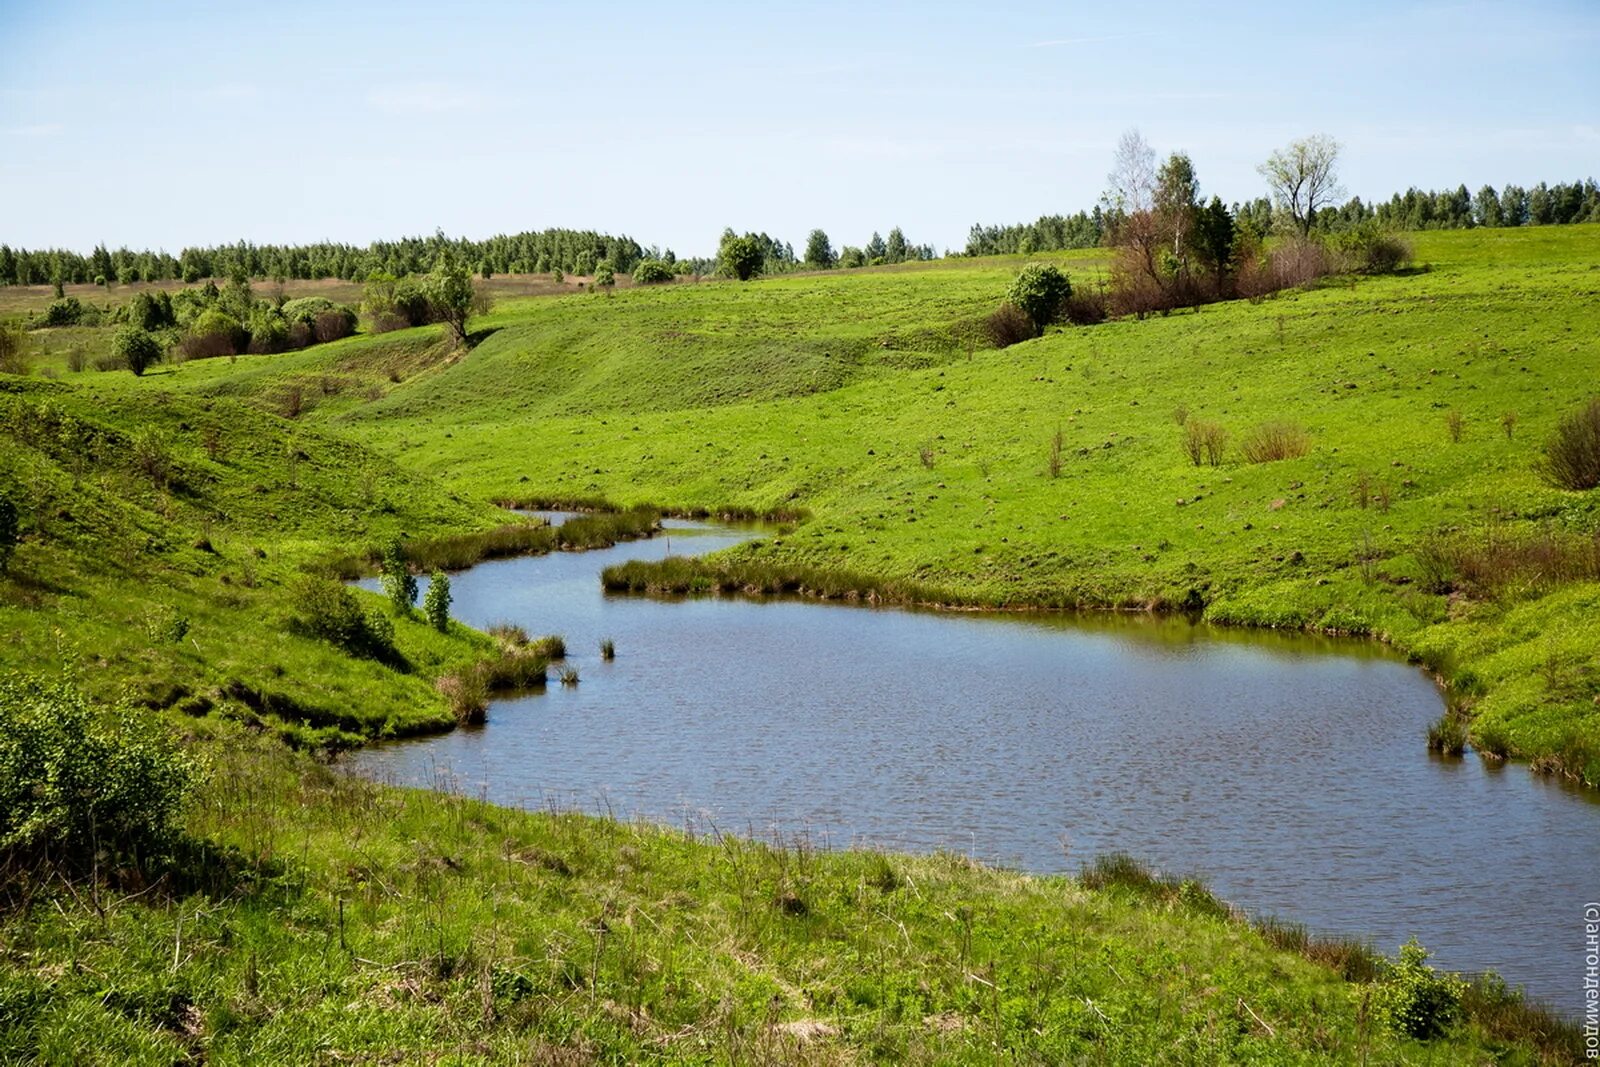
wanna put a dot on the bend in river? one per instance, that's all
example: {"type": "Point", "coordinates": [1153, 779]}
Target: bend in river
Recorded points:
{"type": "Point", "coordinates": [1289, 771]}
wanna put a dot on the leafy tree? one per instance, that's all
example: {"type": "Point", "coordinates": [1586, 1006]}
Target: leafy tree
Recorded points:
{"type": "Point", "coordinates": [819, 253]}
{"type": "Point", "coordinates": [136, 347]}
{"type": "Point", "coordinates": [1214, 235]}
{"type": "Point", "coordinates": [436, 602]}
{"type": "Point", "coordinates": [10, 531]}
{"type": "Point", "coordinates": [399, 584]}
{"type": "Point", "coordinates": [604, 276]}
{"type": "Point", "coordinates": [1177, 202]}
{"type": "Point", "coordinates": [1486, 207]}
{"type": "Point", "coordinates": [1304, 178]}
{"type": "Point", "coordinates": [851, 257]}
{"type": "Point", "coordinates": [894, 250]}
{"type": "Point", "coordinates": [449, 290]}
{"type": "Point", "coordinates": [741, 257]}
{"type": "Point", "coordinates": [1040, 291]}
{"type": "Point", "coordinates": [876, 251]}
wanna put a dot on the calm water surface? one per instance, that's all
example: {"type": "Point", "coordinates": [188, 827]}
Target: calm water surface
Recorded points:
{"type": "Point", "coordinates": [1290, 772]}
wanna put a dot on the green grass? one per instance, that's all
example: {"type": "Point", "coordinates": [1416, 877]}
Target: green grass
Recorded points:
{"type": "Point", "coordinates": [334, 919]}
{"type": "Point", "coordinates": [914, 465]}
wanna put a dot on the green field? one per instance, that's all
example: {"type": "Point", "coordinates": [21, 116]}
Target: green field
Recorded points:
{"type": "Point", "coordinates": [921, 457]}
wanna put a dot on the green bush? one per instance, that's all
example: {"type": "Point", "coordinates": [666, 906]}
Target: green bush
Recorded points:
{"type": "Point", "coordinates": [1572, 456]}
{"type": "Point", "coordinates": [326, 610]}
{"type": "Point", "coordinates": [76, 780]}
{"type": "Point", "coordinates": [399, 584]}
{"type": "Point", "coordinates": [604, 276]}
{"type": "Point", "coordinates": [1416, 1000]}
{"type": "Point", "coordinates": [652, 272]}
{"type": "Point", "coordinates": [136, 347]}
{"type": "Point", "coordinates": [436, 604]}
{"type": "Point", "coordinates": [64, 312]}
{"type": "Point", "coordinates": [1041, 291]}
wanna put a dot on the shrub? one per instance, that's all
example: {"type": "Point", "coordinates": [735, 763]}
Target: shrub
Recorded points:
{"type": "Point", "coordinates": [10, 531]}
{"type": "Point", "coordinates": [1040, 291]}
{"type": "Point", "coordinates": [326, 610]}
{"type": "Point", "coordinates": [1298, 261]}
{"type": "Point", "coordinates": [1414, 999]}
{"type": "Point", "coordinates": [13, 349]}
{"type": "Point", "coordinates": [1086, 307]}
{"type": "Point", "coordinates": [152, 456]}
{"type": "Point", "coordinates": [64, 312]}
{"type": "Point", "coordinates": [604, 276]}
{"type": "Point", "coordinates": [269, 333]}
{"type": "Point", "coordinates": [76, 780]}
{"type": "Point", "coordinates": [1454, 423]}
{"type": "Point", "coordinates": [1273, 441]}
{"type": "Point", "coordinates": [1572, 455]}
{"type": "Point", "coordinates": [213, 333]}
{"type": "Point", "coordinates": [333, 324]}
{"type": "Point", "coordinates": [739, 257]}
{"type": "Point", "coordinates": [436, 604]}
{"type": "Point", "coordinates": [151, 311]}
{"type": "Point", "coordinates": [652, 272]}
{"type": "Point", "coordinates": [136, 348]}
{"type": "Point", "coordinates": [1387, 254]}
{"type": "Point", "coordinates": [1204, 441]}
{"type": "Point", "coordinates": [399, 584]}
{"type": "Point", "coordinates": [1007, 325]}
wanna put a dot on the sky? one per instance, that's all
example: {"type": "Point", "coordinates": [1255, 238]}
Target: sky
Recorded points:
{"type": "Point", "coordinates": [163, 125]}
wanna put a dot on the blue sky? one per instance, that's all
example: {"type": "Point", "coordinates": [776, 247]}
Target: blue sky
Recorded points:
{"type": "Point", "coordinates": [163, 125]}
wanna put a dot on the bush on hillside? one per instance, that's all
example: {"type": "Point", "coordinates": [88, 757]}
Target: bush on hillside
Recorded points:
{"type": "Point", "coordinates": [604, 276]}
{"type": "Point", "coordinates": [1417, 1001]}
{"type": "Point", "coordinates": [77, 781]}
{"type": "Point", "coordinates": [1572, 455]}
{"type": "Point", "coordinates": [1007, 325]}
{"type": "Point", "coordinates": [652, 272]}
{"type": "Point", "coordinates": [64, 312]}
{"type": "Point", "coordinates": [1273, 441]}
{"type": "Point", "coordinates": [333, 324]}
{"type": "Point", "coordinates": [136, 348]}
{"type": "Point", "coordinates": [1040, 291]}
{"type": "Point", "coordinates": [1204, 442]}
{"type": "Point", "coordinates": [214, 333]}
{"type": "Point", "coordinates": [326, 610]}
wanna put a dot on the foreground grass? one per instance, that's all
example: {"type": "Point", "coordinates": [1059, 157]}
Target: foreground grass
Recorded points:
{"type": "Point", "coordinates": [333, 920]}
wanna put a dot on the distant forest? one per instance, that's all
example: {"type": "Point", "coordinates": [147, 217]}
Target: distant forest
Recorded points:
{"type": "Point", "coordinates": [1415, 209]}
{"type": "Point", "coordinates": [579, 251]}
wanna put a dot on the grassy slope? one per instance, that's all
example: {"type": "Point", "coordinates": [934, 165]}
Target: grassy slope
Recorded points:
{"type": "Point", "coordinates": [823, 392]}
{"type": "Point", "coordinates": [112, 553]}
{"type": "Point", "coordinates": [493, 935]}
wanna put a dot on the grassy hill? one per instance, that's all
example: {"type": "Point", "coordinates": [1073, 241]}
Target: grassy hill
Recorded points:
{"type": "Point", "coordinates": [170, 520]}
{"type": "Point", "coordinates": [1416, 515]}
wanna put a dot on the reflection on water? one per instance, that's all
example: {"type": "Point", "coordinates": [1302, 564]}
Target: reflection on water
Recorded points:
{"type": "Point", "coordinates": [1289, 771]}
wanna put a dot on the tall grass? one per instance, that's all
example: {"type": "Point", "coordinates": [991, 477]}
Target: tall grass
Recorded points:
{"type": "Point", "coordinates": [1274, 441]}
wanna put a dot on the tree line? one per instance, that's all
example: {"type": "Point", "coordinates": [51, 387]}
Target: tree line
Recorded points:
{"type": "Point", "coordinates": [1415, 209]}
{"type": "Point", "coordinates": [542, 252]}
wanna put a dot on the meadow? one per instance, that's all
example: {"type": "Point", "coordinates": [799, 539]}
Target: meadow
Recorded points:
{"type": "Point", "coordinates": [170, 519]}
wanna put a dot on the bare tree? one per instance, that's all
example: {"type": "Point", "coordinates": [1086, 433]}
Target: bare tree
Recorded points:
{"type": "Point", "coordinates": [1132, 181]}
{"type": "Point", "coordinates": [1304, 178]}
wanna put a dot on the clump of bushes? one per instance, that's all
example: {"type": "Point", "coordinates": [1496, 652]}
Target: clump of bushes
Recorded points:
{"type": "Point", "coordinates": [1572, 455]}
{"type": "Point", "coordinates": [1415, 1000]}
{"type": "Point", "coordinates": [326, 610]}
{"type": "Point", "coordinates": [399, 584]}
{"type": "Point", "coordinates": [1204, 442]}
{"type": "Point", "coordinates": [67, 311]}
{"type": "Point", "coordinates": [77, 780]}
{"type": "Point", "coordinates": [1273, 441]}
{"type": "Point", "coordinates": [652, 272]}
